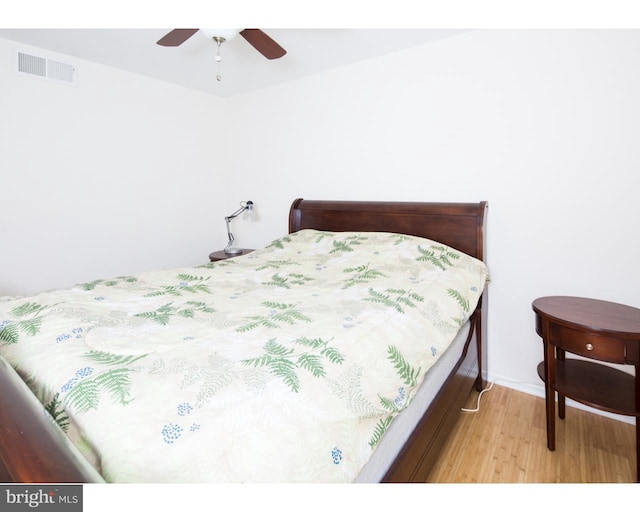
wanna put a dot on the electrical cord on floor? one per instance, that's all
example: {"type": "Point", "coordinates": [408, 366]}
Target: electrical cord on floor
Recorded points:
{"type": "Point", "coordinates": [478, 402]}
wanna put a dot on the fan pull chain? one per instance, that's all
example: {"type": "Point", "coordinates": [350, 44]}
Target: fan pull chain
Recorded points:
{"type": "Point", "coordinates": [218, 58]}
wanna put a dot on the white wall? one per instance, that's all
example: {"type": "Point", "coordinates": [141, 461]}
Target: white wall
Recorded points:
{"type": "Point", "coordinates": [117, 175]}
{"type": "Point", "coordinates": [545, 125]}
{"type": "Point", "coordinates": [124, 174]}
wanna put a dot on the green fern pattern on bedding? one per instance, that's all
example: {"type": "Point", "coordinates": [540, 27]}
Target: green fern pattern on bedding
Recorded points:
{"type": "Point", "coordinates": [108, 282]}
{"type": "Point", "coordinates": [347, 244]}
{"type": "Point", "coordinates": [318, 340]}
{"type": "Point", "coordinates": [108, 359]}
{"type": "Point", "coordinates": [279, 243]}
{"type": "Point", "coordinates": [57, 412]}
{"type": "Point", "coordinates": [394, 298]}
{"type": "Point", "coordinates": [277, 264]}
{"type": "Point", "coordinates": [406, 372]}
{"type": "Point", "coordinates": [381, 427]}
{"type": "Point", "coordinates": [10, 330]}
{"type": "Point", "coordinates": [166, 312]}
{"type": "Point", "coordinates": [393, 407]}
{"type": "Point", "coordinates": [84, 390]}
{"type": "Point", "coordinates": [361, 274]}
{"type": "Point", "coordinates": [288, 280]}
{"type": "Point", "coordinates": [278, 315]}
{"type": "Point", "coordinates": [283, 361]}
{"type": "Point", "coordinates": [188, 284]}
{"type": "Point", "coordinates": [409, 376]}
{"type": "Point", "coordinates": [439, 256]}
{"type": "Point", "coordinates": [460, 298]}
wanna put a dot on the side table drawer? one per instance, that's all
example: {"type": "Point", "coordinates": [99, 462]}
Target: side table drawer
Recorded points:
{"type": "Point", "coordinates": [588, 345]}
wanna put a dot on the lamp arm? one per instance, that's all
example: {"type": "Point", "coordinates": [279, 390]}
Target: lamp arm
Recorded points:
{"type": "Point", "coordinates": [229, 234]}
{"type": "Point", "coordinates": [236, 213]}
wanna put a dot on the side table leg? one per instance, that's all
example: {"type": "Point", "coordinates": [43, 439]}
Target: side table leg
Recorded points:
{"type": "Point", "coordinates": [560, 354]}
{"type": "Point", "coordinates": [637, 449]}
{"type": "Point", "coordinates": [637, 375]}
{"type": "Point", "coordinates": [549, 394]}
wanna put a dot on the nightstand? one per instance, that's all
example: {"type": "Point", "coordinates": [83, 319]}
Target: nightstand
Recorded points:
{"type": "Point", "coordinates": [221, 255]}
{"type": "Point", "coordinates": [596, 330]}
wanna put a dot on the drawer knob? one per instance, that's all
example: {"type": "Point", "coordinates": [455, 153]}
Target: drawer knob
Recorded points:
{"type": "Point", "coordinates": [589, 346]}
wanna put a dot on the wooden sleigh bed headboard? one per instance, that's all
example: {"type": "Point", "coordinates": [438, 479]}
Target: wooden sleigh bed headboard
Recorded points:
{"type": "Point", "coordinates": [32, 452]}
{"type": "Point", "coordinates": [458, 225]}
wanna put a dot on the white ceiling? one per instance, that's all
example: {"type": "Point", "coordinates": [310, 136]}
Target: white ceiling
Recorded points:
{"type": "Point", "coordinates": [243, 69]}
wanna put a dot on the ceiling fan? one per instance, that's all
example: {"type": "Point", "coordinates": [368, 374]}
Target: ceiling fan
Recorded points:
{"type": "Point", "coordinates": [254, 36]}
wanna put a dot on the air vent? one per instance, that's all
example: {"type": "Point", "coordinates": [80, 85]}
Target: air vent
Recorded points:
{"type": "Point", "coordinates": [48, 69]}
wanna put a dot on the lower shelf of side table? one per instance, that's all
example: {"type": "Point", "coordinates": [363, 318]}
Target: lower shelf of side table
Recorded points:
{"type": "Point", "coordinates": [595, 385]}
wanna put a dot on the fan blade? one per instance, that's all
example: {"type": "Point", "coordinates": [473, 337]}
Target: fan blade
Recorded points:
{"type": "Point", "coordinates": [177, 36]}
{"type": "Point", "coordinates": [263, 43]}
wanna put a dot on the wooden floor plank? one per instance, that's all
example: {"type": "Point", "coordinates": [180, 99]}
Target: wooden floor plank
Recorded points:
{"type": "Point", "coordinates": [505, 441]}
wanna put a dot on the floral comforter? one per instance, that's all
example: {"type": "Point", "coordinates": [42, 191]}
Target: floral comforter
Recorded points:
{"type": "Point", "coordinates": [284, 365]}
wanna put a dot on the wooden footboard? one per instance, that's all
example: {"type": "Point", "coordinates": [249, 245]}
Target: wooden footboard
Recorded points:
{"type": "Point", "coordinates": [32, 447]}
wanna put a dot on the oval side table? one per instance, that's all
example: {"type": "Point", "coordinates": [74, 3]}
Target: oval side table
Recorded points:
{"type": "Point", "coordinates": [598, 331]}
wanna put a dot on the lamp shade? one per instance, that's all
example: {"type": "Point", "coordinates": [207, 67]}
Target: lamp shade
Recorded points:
{"type": "Point", "coordinates": [250, 214]}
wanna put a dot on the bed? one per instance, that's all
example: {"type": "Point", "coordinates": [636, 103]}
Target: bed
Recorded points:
{"type": "Point", "coordinates": [52, 429]}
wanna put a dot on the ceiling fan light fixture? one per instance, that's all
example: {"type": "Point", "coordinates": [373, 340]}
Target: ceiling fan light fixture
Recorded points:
{"type": "Point", "coordinates": [226, 34]}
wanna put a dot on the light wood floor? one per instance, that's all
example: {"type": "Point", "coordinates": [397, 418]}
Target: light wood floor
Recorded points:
{"type": "Point", "coordinates": [506, 442]}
